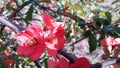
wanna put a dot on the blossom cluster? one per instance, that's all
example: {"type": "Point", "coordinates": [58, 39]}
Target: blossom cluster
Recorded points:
{"type": "Point", "coordinates": [111, 47]}
{"type": "Point", "coordinates": [35, 39]}
{"type": "Point", "coordinates": [110, 41]}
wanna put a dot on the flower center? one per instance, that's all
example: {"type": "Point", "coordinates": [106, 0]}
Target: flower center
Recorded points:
{"type": "Point", "coordinates": [53, 40]}
{"type": "Point", "coordinates": [32, 42]}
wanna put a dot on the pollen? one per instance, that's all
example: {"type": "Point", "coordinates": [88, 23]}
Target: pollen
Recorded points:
{"type": "Point", "coordinates": [54, 40]}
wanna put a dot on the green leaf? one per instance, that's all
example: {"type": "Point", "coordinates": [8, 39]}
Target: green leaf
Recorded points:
{"type": "Point", "coordinates": [1, 35]}
{"type": "Point", "coordinates": [117, 30]}
{"type": "Point", "coordinates": [29, 13]}
{"type": "Point", "coordinates": [92, 41]}
{"type": "Point", "coordinates": [17, 61]}
{"type": "Point", "coordinates": [102, 14]}
{"type": "Point", "coordinates": [81, 22]}
{"type": "Point", "coordinates": [44, 62]}
{"type": "Point", "coordinates": [77, 7]}
{"type": "Point", "coordinates": [27, 22]}
{"type": "Point", "coordinates": [30, 62]}
{"type": "Point", "coordinates": [101, 21]}
{"type": "Point", "coordinates": [108, 29]}
{"type": "Point", "coordinates": [32, 66]}
{"type": "Point", "coordinates": [87, 33]}
{"type": "Point", "coordinates": [109, 17]}
{"type": "Point", "coordinates": [102, 36]}
{"type": "Point", "coordinates": [72, 48]}
{"type": "Point", "coordinates": [68, 34]}
{"type": "Point", "coordinates": [23, 65]}
{"type": "Point", "coordinates": [12, 55]}
{"type": "Point", "coordinates": [1, 49]}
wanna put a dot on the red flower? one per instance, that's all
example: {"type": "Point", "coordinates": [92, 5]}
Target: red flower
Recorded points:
{"type": "Point", "coordinates": [107, 41]}
{"type": "Point", "coordinates": [61, 63]}
{"type": "Point", "coordinates": [9, 62]}
{"type": "Point", "coordinates": [31, 42]}
{"type": "Point", "coordinates": [52, 63]}
{"type": "Point", "coordinates": [54, 36]}
{"type": "Point", "coordinates": [55, 40]}
{"type": "Point", "coordinates": [81, 63]}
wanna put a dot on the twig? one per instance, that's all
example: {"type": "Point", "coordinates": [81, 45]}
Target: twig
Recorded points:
{"type": "Point", "coordinates": [69, 56]}
{"type": "Point", "coordinates": [116, 23]}
{"type": "Point", "coordinates": [18, 9]}
{"type": "Point", "coordinates": [106, 63]}
{"type": "Point", "coordinates": [67, 14]}
{"type": "Point", "coordinates": [5, 22]}
{"type": "Point", "coordinates": [77, 41]}
{"type": "Point", "coordinates": [32, 19]}
{"type": "Point", "coordinates": [14, 14]}
{"type": "Point", "coordinates": [16, 1]}
{"type": "Point", "coordinates": [76, 18]}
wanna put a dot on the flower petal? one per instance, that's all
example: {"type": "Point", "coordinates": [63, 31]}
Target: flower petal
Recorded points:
{"type": "Point", "coordinates": [63, 63]}
{"type": "Point", "coordinates": [116, 42]}
{"type": "Point", "coordinates": [60, 43]}
{"type": "Point", "coordinates": [52, 52]}
{"type": "Point", "coordinates": [107, 41]}
{"type": "Point", "coordinates": [47, 20]}
{"type": "Point", "coordinates": [36, 53]}
{"type": "Point", "coordinates": [23, 50]}
{"type": "Point", "coordinates": [52, 63]}
{"type": "Point", "coordinates": [82, 63]}
{"type": "Point", "coordinates": [35, 49]}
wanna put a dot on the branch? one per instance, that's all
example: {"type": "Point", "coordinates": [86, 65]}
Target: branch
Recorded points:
{"type": "Point", "coordinates": [18, 9]}
{"type": "Point", "coordinates": [77, 41]}
{"type": "Point", "coordinates": [7, 23]}
{"type": "Point", "coordinates": [69, 56]}
{"type": "Point", "coordinates": [106, 63]}
{"type": "Point", "coordinates": [67, 14]}
{"type": "Point", "coordinates": [92, 25]}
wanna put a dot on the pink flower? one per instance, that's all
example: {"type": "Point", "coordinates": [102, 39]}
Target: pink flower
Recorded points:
{"type": "Point", "coordinates": [116, 42]}
{"type": "Point", "coordinates": [31, 42]}
{"type": "Point", "coordinates": [54, 37]}
{"type": "Point", "coordinates": [47, 20]}
{"type": "Point", "coordinates": [107, 41]}
{"type": "Point", "coordinates": [8, 53]}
